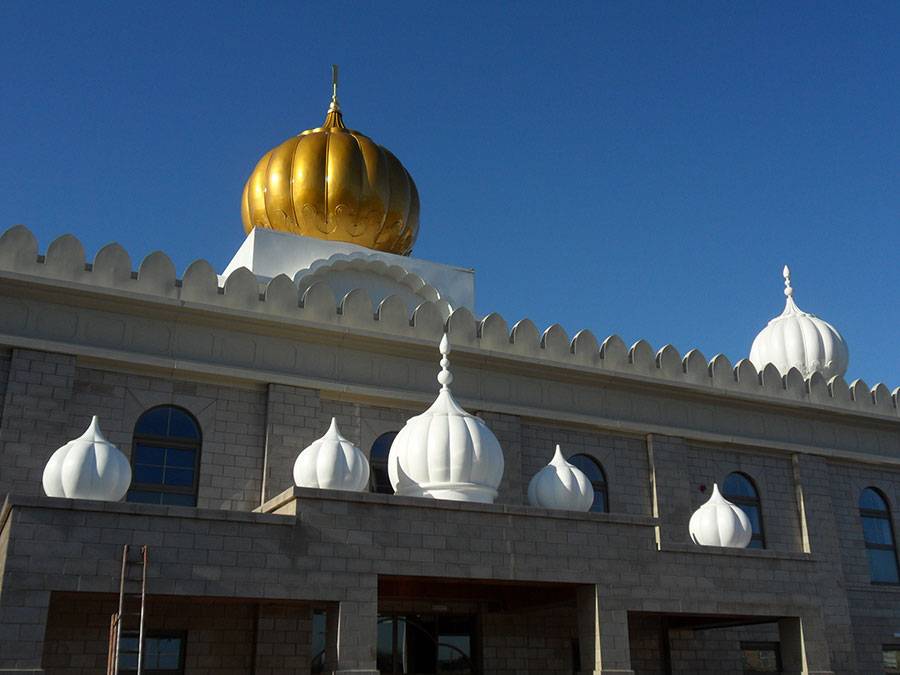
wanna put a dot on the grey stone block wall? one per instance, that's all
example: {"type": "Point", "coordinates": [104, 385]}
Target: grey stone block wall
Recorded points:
{"type": "Point", "coordinates": [682, 469]}
{"type": "Point", "coordinates": [536, 641]}
{"type": "Point", "coordinates": [623, 458]}
{"type": "Point", "coordinates": [35, 417]}
{"type": "Point", "coordinates": [224, 638]}
{"type": "Point", "coordinates": [49, 401]}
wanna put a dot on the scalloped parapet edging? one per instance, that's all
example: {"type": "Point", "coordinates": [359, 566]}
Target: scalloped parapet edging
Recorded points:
{"type": "Point", "coordinates": [65, 260]}
{"type": "Point", "coordinates": [361, 262]}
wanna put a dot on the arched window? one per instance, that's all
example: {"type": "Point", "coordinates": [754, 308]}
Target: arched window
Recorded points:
{"type": "Point", "coordinates": [879, 536]}
{"type": "Point", "coordinates": [592, 469]}
{"type": "Point", "coordinates": [165, 457]}
{"type": "Point", "coordinates": [740, 491]}
{"type": "Point", "coordinates": [378, 463]}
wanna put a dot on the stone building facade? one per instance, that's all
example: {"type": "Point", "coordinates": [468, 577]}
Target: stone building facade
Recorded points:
{"type": "Point", "coordinates": [263, 577]}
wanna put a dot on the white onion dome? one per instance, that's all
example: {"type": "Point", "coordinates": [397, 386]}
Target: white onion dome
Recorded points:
{"type": "Point", "coordinates": [562, 486]}
{"type": "Point", "coordinates": [797, 339]}
{"type": "Point", "coordinates": [332, 463]}
{"type": "Point", "coordinates": [89, 467]}
{"type": "Point", "coordinates": [446, 453]}
{"type": "Point", "coordinates": [720, 523]}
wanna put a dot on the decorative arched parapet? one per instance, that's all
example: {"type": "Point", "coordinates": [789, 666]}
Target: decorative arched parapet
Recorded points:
{"type": "Point", "coordinates": [614, 353]}
{"type": "Point", "coordinates": [881, 399]}
{"type": "Point", "coordinates": [344, 272]}
{"type": "Point", "coordinates": [896, 396]}
{"type": "Point", "coordinates": [427, 322]}
{"type": "Point", "coordinates": [65, 259]}
{"type": "Point", "coordinates": [462, 328]}
{"type": "Point", "coordinates": [319, 304]}
{"type": "Point", "coordinates": [840, 392]}
{"type": "Point", "coordinates": [746, 377]}
{"type": "Point", "coordinates": [555, 343]}
{"type": "Point", "coordinates": [444, 307]}
{"type": "Point", "coordinates": [641, 358]}
{"type": "Point", "coordinates": [770, 379]}
{"type": "Point", "coordinates": [392, 316]}
{"type": "Point", "coordinates": [585, 349]}
{"type": "Point", "coordinates": [695, 367]}
{"type": "Point", "coordinates": [356, 309]}
{"type": "Point", "coordinates": [281, 297]}
{"type": "Point", "coordinates": [795, 385]}
{"type": "Point", "coordinates": [111, 267]}
{"type": "Point", "coordinates": [241, 290]}
{"type": "Point", "coordinates": [524, 338]}
{"type": "Point", "coordinates": [156, 276]}
{"type": "Point", "coordinates": [200, 283]}
{"type": "Point", "coordinates": [861, 395]}
{"type": "Point", "coordinates": [721, 372]}
{"type": "Point", "coordinates": [494, 333]}
{"type": "Point", "coordinates": [817, 388]}
{"type": "Point", "coordinates": [668, 363]}
{"type": "Point", "coordinates": [18, 250]}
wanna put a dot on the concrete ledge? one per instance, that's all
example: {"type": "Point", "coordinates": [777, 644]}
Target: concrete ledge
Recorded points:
{"type": "Point", "coordinates": [14, 501]}
{"type": "Point", "coordinates": [296, 494]}
{"type": "Point", "coordinates": [765, 554]}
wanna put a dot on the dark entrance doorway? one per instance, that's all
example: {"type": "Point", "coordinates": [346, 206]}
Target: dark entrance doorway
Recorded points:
{"type": "Point", "coordinates": [421, 644]}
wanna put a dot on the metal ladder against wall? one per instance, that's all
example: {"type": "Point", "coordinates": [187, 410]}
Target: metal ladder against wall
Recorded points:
{"type": "Point", "coordinates": [129, 619]}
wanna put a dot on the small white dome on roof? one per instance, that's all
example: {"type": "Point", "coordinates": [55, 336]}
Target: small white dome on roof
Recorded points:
{"type": "Point", "coordinates": [720, 523]}
{"type": "Point", "coordinates": [89, 467]}
{"type": "Point", "coordinates": [797, 339]}
{"type": "Point", "coordinates": [332, 463]}
{"type": "Point", "coordinates": [561, 485]}
{"type": "Point", "coordinates": [446, 453]}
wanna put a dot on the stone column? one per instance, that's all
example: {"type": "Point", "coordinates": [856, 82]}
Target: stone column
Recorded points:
{"type": "Point", "coordinates": [602, 636]}
{"type": "Point", "coordinates": [804, 649]}
{"type": "Point", "coordinates": [357, 637]}
{"type": "Point", "coordinates": [23, 621]}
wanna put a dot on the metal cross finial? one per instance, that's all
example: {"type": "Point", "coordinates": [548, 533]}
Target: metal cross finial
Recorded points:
{"type": "Point", "coordinates": [334, 84]}
{"type": "Point", "coordinates": [788, 291]}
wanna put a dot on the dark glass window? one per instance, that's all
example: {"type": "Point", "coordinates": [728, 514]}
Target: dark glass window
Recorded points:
{"type": "Point", "coordinates": [319, 624]}
{"type": "Point", "coordinates": [378, 462]}
{"type": "Point", "coordinates": [163, 653]}
{"type": "Point", "coordinates": [761, 657]}
{"type": "Point", "coordinates": [420, 644]}
{"type": "Point", "coordinates": [879, 536]}
{"type": "Point", "coordinates": [592, 469]}
{"type": "Point", "coordinates": [740, 491]}
{"type": "Point", "coordinates": [165, 457]}
{"type": "Point", "coordinates": [890, 658]}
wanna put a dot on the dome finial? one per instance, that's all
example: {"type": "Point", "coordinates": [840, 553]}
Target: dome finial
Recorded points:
{"type": "Point", "coordinates": [786, 273]}
{"type": "Point", "coordinates": [445, 377]}
{"type": "Point", "coordinates": [335, 106]}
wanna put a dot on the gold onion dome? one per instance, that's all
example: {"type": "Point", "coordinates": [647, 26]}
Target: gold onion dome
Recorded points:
{"type": "Point", "coordinates": [334, 183]}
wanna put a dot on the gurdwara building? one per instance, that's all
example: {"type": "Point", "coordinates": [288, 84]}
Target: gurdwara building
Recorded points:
{"type": "Point", "coordinates": [323, 460]}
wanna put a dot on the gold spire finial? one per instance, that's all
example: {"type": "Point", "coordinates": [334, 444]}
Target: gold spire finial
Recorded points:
{"type": "Point", "coordinates": [334, 83]}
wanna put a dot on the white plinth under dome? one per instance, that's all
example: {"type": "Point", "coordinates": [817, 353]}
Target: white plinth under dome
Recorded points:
{"type": "Point", "coordinates": [344, 267]}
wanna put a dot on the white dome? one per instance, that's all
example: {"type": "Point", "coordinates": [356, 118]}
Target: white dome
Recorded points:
{"type": "Point", "coordinates": [446, 453]}
{"type": "Point", "coordinates": [89, 467]}
{"type": "Point", "coordinates": [561, 485]}
{"type": "Point", "coordinates": [720, 523]}
{"type": "Point", "coordinates": [797, 339]}
{"type": "Point", "coordinates": [332, 463]}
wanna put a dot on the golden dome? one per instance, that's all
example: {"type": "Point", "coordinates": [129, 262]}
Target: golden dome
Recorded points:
{"type": "Point", "coordinates": [337, 184]}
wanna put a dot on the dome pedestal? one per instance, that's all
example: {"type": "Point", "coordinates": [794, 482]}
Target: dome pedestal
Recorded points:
{"type": "Point", "coordinates": [268, 253]}
{"type": "Point", "coordinates": [457, 492]}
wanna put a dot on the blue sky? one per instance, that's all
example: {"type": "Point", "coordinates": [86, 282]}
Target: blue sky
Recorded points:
{"type": "Point", "coordinates": [642, 169]}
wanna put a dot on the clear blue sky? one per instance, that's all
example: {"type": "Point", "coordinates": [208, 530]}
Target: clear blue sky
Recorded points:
{"type": "Point", "coordinates": [635, 168]}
